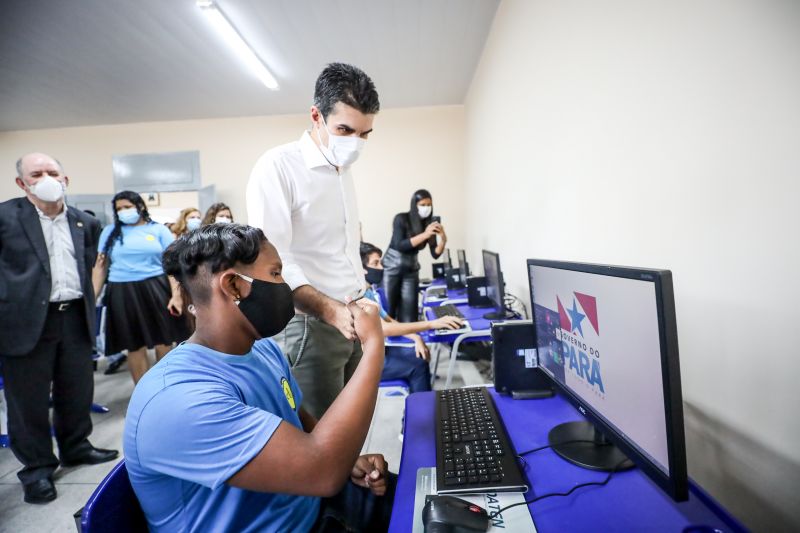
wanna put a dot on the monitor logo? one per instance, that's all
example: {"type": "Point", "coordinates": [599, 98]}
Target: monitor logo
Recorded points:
{"type": "Point", "coordinates": [572, 319]}
{"type": "Point", "coordinates": [575, 324]}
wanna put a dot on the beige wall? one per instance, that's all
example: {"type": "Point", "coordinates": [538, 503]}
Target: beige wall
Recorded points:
{"type": "Point", "coordinates": [410, 148]}
{"type": "Point", "coordinates": [663, 134]}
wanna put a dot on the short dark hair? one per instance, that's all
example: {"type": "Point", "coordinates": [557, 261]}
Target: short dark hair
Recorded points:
{"type": "Point", "coordinates": [195, 256]}
{"type": "Point", "coordinates": [367, 250]}
{"type": "Point", "coordinates": [339, 82]}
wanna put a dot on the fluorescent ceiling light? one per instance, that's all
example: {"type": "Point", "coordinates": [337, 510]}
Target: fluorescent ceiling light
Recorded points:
{"type": "Point", "coordinates": [234, 40]}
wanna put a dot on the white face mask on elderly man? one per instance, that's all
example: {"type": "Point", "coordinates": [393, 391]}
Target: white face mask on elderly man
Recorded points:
{"type": "Point", "coordinates": [48, 189]}
{"type": "Point", "coordinates": [342, 150]}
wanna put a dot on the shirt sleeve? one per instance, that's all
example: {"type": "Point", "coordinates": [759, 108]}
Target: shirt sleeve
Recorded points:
{"type": "Point", "coordinates": [269, 207]}
{"type": "Point", "coordinates": [101, 242]}
{"type": "Point", "coordinates": [375, 297]}
{"type": "Point", "coordinates": [165, 236]}
{"type": "Point", "coordinates": [401, 242]}
{"type": "Point", "coordinates": [201, 432]}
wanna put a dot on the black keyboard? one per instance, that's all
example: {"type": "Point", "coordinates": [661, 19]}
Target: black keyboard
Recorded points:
{"type": "Point", "coordinates": [447, 310]}
{"type": "Point", "coordinates": [473, 452]}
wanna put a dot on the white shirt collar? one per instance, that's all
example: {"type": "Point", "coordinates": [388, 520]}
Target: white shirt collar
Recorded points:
{"type": "Point", "coordinates": [59, 216]}
{"type": "Point", "coordinates": [312, 156]}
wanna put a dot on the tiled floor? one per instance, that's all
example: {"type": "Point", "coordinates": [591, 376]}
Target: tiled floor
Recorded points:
{"type": "Point", "coordinates": [75, 485]}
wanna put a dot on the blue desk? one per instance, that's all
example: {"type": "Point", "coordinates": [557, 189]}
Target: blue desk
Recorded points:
{"type": "Point", "coordinates": [629, 502]}
{"type": "Point", "coordinates": [453, 295]}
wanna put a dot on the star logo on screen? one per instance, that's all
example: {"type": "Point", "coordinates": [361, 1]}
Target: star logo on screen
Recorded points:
{"type": "Point", "coordinates": [572, 319]}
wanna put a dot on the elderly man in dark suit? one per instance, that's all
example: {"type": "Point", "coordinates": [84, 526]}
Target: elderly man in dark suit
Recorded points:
{"type": "Point", "coordinates": [47, 319]}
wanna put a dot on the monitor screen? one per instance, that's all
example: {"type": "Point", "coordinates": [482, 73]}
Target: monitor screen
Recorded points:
{"type": "Point", "coordinates": [494, 281]}
{"type": "Point", "coordinates": [602, 337]}
{"type": "Point", "coordinates": [446, 259]}
{"type": "Point", "coordinates": [462, 266]}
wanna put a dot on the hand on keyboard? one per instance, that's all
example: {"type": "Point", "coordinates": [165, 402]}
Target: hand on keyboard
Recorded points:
{"type": "Point", "coordinates": [447, 322]}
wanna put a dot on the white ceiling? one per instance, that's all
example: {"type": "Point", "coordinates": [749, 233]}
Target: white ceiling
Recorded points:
{"type": "Point", "coordinates": [85, 62]}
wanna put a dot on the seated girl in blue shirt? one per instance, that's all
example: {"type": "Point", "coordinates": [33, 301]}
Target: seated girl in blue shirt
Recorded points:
{"type": "Point", "coordinates": [216, 438]}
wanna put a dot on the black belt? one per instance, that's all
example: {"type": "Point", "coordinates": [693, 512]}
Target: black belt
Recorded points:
{"type": "Point", "coordinates": [63, 306]}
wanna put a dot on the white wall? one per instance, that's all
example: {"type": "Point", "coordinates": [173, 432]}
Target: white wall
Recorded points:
{"type": "Point", "coordinates": [663, 134]}
{"type": "Point", "coordinates": [409, 149]}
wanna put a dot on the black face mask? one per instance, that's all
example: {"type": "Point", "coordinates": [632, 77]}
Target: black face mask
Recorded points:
{"type": "Point", "coordinates": [374, 275]}
{"type": "Point", "coordinates": [269, 306]}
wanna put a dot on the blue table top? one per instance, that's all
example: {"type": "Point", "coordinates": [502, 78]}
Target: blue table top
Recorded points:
{"type": "Point", "coordinates": [629, 502]}
{"type": "Point", "coordinates": [473, 314]}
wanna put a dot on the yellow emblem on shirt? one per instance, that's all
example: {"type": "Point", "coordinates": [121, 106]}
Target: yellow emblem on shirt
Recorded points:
{"type": "Point", "coordinates": [287, 391]}
{"type": "Point", "coordinates": [150, 238]}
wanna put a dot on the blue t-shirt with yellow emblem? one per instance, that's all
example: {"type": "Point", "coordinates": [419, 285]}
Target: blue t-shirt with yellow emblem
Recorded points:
{"type": "Point", "coordinates": [138, 256]}
{"type": "Point", "coordinates": [194, 420]}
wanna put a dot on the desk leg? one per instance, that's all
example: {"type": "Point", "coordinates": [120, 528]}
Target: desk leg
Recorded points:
{"type": "Point", "coordinates": [438, 349]}
{"type": "Point", "coordinates": [454, 352]}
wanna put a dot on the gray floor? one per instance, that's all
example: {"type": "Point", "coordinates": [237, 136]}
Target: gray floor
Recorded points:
{"type": "Point", "coordinates": [75, 485]}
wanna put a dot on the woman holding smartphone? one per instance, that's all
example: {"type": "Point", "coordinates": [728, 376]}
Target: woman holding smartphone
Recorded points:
{"type": "Point", "coordinates": [411, 232]}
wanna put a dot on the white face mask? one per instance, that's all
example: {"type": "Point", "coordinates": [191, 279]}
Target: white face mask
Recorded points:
{"type": "Point", "coordinates": [48, 189]}
{"type": "Point", "coordinates": [222, 220]}
{"type": "Point", "coordinates": [424, 210]}
{"type": "Point", "coordinates": [128, 216]}
{"type": "Point", "coordinates": [342, 150]}
{"type": "Point", "coordinates": [192, 223]}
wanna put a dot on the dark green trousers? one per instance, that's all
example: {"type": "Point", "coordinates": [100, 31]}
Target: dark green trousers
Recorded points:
{"type": "Point", "coordinates": [322, 360]}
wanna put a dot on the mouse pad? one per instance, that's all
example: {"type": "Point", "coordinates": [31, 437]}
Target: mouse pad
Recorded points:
{"type": "Point", "coordinates": [516, 519]}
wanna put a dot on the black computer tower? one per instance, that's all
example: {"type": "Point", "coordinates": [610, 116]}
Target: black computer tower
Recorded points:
{"type": "Point", "coordinates": [454, 280]}
{"type": "Point", "coordinates": [515, 361]}
{"type": "Point", "coordinates": [476, 292]}
{"type": "Point", "coordinates": [438, 270]}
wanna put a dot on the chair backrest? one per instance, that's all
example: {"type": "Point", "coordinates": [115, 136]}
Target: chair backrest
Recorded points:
{"type": "Point", "coordinates": [382, 296]}
{"type": "Point", "coordinates": [113, 506]}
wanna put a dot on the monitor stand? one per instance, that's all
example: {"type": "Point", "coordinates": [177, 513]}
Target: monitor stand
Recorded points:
{"type": "Point", "coordinates": [532, 394]}
{"type": "Point", "coordinates": [600, 454]}
{"type": "Point", "coordinates": [499, 315]}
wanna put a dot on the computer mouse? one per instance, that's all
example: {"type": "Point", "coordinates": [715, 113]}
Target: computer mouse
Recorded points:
{"type": "Point", "coordinates": [448, 514]}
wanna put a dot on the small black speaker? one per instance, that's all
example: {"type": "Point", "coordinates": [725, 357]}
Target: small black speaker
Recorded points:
{"type": "Point", "coordinates": [515, 363]}
{"type": "Point", "coordinates": [438, 270]}
{"type": "Point", "coordinates": [476, 292]}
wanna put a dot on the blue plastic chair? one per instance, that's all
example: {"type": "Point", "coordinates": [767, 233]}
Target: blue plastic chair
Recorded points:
{"type": "Point", "coordinates": [113, 506]}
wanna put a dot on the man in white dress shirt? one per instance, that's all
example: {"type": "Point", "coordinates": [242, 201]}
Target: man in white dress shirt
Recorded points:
{"type": "Point", "coordinates": [302, 196]}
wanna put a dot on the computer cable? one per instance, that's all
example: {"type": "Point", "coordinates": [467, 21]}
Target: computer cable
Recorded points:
{"type": "Point", "coordinates": [519, 455]}
{"type": "Point", "coordinates": [508, 297]}
{"type": "Point", "coordinates": [570, 491]}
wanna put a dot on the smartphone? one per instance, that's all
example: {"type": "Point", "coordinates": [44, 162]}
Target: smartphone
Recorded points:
{"type": "Point", "coordinates": [436, 218]}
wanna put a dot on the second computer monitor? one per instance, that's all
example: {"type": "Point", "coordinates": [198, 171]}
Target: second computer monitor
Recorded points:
{"type": "Point", "coordinates": [463, 267]}
{"type": "Point", "coordinates": [446, 259]}
{"type": "Point", "coordinates": [495, 288]}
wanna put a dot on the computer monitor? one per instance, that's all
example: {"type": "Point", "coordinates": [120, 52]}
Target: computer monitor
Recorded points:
{"type": "Point", "coordinates": [607, 338]}
{"type": "Point", "coordinates": [446, 259]}
{"type": "Point", "coordinates": [495, 288]}
{"type": "Point", "coordinates": [463, 266]}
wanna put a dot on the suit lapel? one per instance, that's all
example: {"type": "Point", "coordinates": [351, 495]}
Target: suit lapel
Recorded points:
{"type": "Point", "coordinates": [76, 228]}
{"type": "Point", "coordinates": [29, 219]}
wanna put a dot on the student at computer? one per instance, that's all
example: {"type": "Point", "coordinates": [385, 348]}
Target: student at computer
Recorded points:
{"type": "Point", "coordinates": [400, 362]}
{"type": "Point", "coordinates": [216, 438]}
{"type": "Point", "coordinates": [411, 232]}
